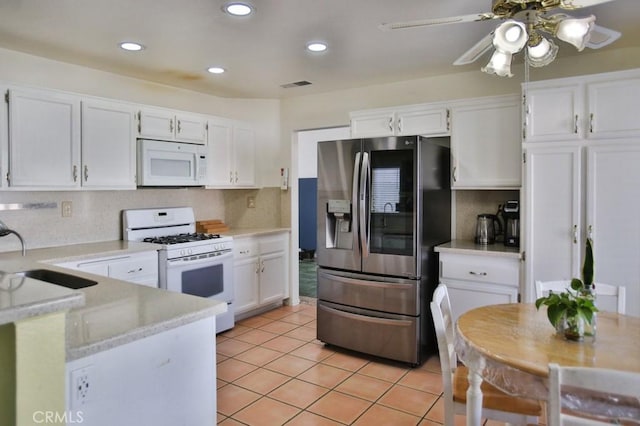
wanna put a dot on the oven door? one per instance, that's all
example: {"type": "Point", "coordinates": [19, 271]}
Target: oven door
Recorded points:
{"type": "Point", "coordinates": [210, 276]}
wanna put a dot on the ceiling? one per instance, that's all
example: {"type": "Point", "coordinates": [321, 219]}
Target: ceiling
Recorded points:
{"type": "Point", "coordinates": [266, 50]}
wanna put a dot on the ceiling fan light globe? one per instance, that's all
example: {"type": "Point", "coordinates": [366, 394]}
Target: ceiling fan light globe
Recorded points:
{"type": "Point", "coordinates": [576, 31]}
{"type": "Point", "coordinates": [499, 64]}
{"type": "Point", "coordinates": [542, 54]}
{"type": "Point", "coordinates": [510, 36]}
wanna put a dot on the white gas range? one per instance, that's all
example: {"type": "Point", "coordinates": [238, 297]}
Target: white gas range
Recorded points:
{"type": "Point", "coordinates": [193, 263]}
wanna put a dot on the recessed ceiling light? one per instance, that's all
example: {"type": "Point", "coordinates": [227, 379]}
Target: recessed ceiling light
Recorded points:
{"type": "Point", "coordinates": [238, 9]}
{"type": "Point", "coordinates": [317, 46]}
{"type": "Point", "coordinates": [131, 46]}
{"type": "Point", "coordinates": [216, 70]}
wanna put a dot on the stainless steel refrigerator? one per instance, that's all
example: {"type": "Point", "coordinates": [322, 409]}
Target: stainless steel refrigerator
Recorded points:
{"type": "Point", "coordinates": [383, 204]}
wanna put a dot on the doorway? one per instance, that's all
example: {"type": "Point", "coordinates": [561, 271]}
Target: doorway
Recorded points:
{"type": "Point", "coordinates": [307, 204]}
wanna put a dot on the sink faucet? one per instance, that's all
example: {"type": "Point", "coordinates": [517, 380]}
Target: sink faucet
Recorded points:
{"type": "Point", "coordinates": [4, 231]}
{"type": "Point", "coordinates": [384, 214]}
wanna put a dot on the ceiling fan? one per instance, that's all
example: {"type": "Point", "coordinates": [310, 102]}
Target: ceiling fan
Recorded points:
{"type": "Point", "coordinates": [527, 23]}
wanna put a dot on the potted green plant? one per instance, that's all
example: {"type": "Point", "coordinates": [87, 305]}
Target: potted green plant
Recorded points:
{"type": "Point", "coordinates": [573, 312]}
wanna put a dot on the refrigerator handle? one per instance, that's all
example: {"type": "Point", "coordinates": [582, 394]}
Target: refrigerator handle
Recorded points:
{"type": "Point", "coordinates": [354, 203]}
{"type": "Point", "coordinates": [363, 212]}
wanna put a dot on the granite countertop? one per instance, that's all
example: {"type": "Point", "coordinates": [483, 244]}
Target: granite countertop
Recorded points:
{"type": "Point", "coordinates": [470, 247]}
{"type": "Point", "coordinates": [249, 232]}
{"type": "Point", "coordinates": [114, 312]}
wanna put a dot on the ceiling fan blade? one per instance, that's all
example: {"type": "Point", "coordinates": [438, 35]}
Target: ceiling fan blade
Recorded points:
{"type": "Point", "coordinates": [439, 21]}
{"type": "Point", "coordinates": [479, 49]}
{"type": "Point", "coordinates": [578, 4]}
{"type": "Point", "coordinates": [601, 37]}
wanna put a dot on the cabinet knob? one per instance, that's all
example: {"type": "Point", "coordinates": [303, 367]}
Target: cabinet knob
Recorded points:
{"type": "Point", "coordinates": [75, 173]}
{"type": "Point", "coordinates": [86, 172]}
{"type": "Point", "coordinates": [179, 127]}
{"type": "Point", "coordinates": [591, 123]}
{"type": "Point", "coordinates": [575, 124]}
{"type": "Point", "coordinates": [575, 234]}
{"type": "Point", "coordinates": [171, 125]}
{"type": "Point", "coordinates": [391, 124]}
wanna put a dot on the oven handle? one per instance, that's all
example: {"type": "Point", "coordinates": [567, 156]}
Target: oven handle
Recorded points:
{"type": "Point", "coordinates": [219, 258]}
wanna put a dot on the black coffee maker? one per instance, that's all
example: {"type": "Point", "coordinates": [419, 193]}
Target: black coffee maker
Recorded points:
{"type": "Point", "coordinates": [511, 215]}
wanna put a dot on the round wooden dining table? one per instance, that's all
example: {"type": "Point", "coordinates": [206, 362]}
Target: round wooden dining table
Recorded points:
{"type": "Point", "coordinates": [512, 345]}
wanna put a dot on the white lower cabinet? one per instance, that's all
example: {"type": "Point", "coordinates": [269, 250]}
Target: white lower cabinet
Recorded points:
{"type": "Point", "coordinates": [260, 271]}
{"type": "Point", "coordinates": [479, 280]}
{"type": "Point", "coordinates": [139, 268]}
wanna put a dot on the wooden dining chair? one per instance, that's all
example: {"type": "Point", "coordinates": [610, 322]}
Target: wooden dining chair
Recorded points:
{"type": "Point", "coordinates": [618, 292]}
{"type": "Point", "coordinates": [619, 383]}
{"type": "Point", "coordinates": [496, 404]}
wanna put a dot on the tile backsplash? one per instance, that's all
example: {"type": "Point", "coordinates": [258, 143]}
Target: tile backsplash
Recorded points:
{"type": "Point", "coordinates": [469, 204]}
{"type": "Point", "coordinates": [271, 208]}
{"type": "Point", "coordinates": [95, 215]}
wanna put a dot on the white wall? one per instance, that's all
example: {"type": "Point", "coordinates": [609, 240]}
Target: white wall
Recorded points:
{"type": "Point", "coordinates": [307, 148]}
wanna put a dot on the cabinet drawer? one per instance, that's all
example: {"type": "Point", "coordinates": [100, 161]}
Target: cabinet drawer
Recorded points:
{"type": "Point", "coordinates": [246, 247]}
{"type": "Point", "coordinates": [480, 269]}
{"type": "Point", "coordinates": [273, 244]}
{"type": "Point", "coordinates": [134, 268]}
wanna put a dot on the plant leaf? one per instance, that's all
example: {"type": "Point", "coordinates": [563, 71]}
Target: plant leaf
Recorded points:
{"type": "Point", "coordinates": [588, 267]}
{"type": "Point", "coordinates": [554, 313]}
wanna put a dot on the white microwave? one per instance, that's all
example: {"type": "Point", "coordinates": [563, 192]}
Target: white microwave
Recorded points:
{"type": "Point", "coordinates": [164, 163]}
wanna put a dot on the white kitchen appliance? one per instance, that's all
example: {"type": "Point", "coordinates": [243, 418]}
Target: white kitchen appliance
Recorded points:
{"type": "Point", "coordinates": [164, 163]}
{"type": "Point", "coordinates": [192, 263]}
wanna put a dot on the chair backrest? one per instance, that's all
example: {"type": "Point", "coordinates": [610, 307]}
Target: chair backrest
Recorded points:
{"type": "Point", "coordinates": [613, 382]}
{"type": "Point", "coordinates": [618, 292]}
{"type": "Point", "coordinates": [443, 323]}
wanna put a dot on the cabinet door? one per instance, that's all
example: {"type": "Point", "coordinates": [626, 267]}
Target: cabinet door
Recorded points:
{"type": "Point", "coordinates": [552, 214]}
{"type": "Point", "coordinates": [245, 281]}
{"type": "Point", "coordinates": [245, 156]}
{"type": "Point", "coordinates": [613, 108]}
{"type": "Point", "coordinates": [485, 145]}
{"type": "Point", "coordinates": [108, 145]}
{"type": "Point", "coordinates": [44, 139]}
{"type": "Point", "coordinates": [156, 124]}
{"type": "Point", "coordinates": [613, 217]}
{"type": "Point", "coordinates": [465, 296]}
{"type": "Point", "coordinates": [423, 121]}
{"type": "Point", "coordinates": [553, 113]}
{"type": "Point", "coordinates": [372, 124]}
{"type": "Point", "coordinates": [190, 128]}
{"type": "Point", "coordinates": [273, 277]}
{"type": "Point", "coordinates": [220, 145]}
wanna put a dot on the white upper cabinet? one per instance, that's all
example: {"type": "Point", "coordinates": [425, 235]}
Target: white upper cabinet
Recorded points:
{"type": "Point", "coordinates": [553, 113]}
{"type": "Point", "coordinates": [428, 119]}
{"type": "Point", "coordinates": [486, 144]}
{"type": "Point", "coordinates": [602, 106]}
{"type": "Point", "coordinates": [232, 158]}
{"type": "Point", "coordinates": [171, 125]}
{"type": "Point", "coordinates": [108, 145]}
{"type": "Point", "coordinates": [614, 108]}
{"type": "Point", "coordinates": [44, 139]}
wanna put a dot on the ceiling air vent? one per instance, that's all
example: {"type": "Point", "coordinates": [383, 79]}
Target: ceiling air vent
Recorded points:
{"type": "Point", "coordinates": [296, 84]}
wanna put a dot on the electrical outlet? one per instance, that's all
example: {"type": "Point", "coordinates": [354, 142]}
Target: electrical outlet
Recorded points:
{"type": "Point", "coordinates": [81, 386]}
{"type": "Point", "coordinates": [66, 208]}
{"type": "Point", "coordinates": [251, 202]}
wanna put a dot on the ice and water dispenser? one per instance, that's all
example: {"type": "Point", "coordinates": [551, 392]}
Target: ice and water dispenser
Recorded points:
{"type": "Point", "coordinates": [338, 224]}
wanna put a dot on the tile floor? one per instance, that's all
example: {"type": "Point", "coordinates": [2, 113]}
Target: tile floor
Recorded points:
{"type": "Point", "coordinates": [273, 371]}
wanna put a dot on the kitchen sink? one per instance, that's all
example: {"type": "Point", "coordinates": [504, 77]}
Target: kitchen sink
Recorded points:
{"type": "Point", "coordinates": [58, 278]}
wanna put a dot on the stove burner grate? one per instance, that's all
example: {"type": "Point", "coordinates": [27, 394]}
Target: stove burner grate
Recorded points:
{"type": "Point", "coordinates": [181, 238]}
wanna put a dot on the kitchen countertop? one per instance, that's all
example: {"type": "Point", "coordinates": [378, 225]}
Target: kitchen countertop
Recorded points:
{"type": "Point", "coordinates": [250, 232]}
{"type": "Point", "coordinates": [470, 247]}
{"type": "Point", "coordinates": [115, 312]}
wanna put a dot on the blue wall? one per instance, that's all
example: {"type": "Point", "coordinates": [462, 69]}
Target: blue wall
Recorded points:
{"type": "Point", "coordinates": [307, 190]}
